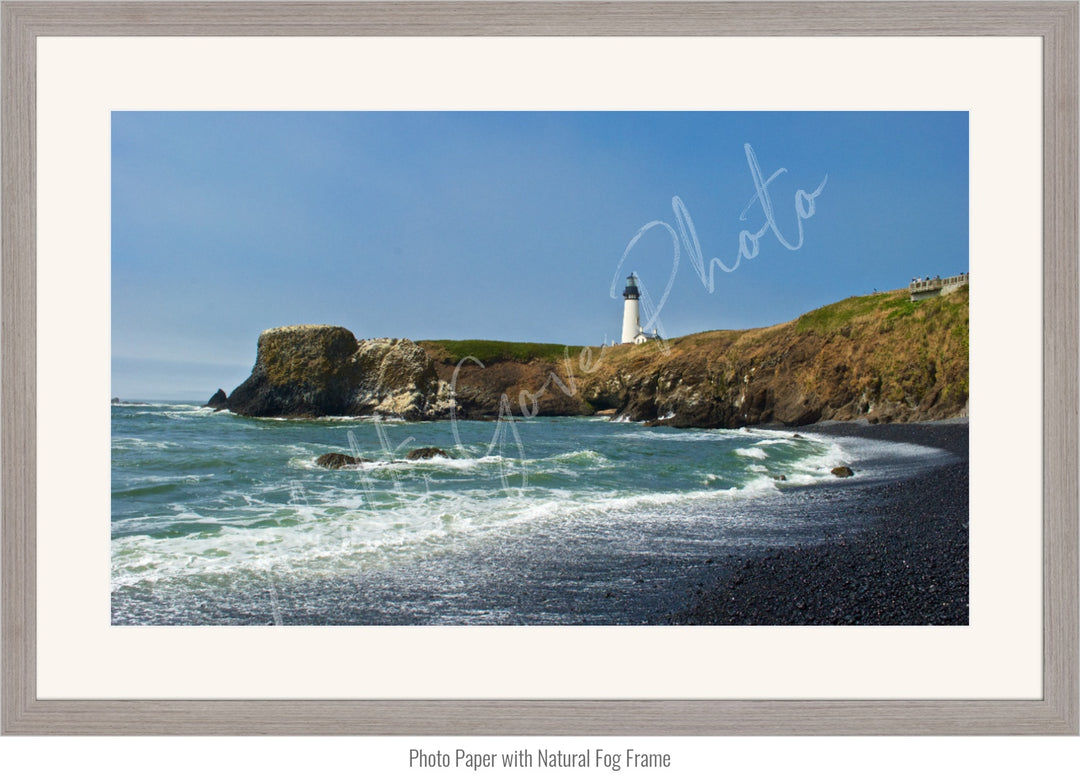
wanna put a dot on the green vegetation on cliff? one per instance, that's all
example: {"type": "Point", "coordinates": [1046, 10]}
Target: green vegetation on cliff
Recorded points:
{"type": "Point", "coordinates": [895, 306]}
{"type": "Point", "coordinates": [910, 344]}
{"type": "Point", "coordinates": [487, 351]}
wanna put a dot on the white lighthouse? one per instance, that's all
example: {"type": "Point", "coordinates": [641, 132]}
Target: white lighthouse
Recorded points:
{"type": "Point", "coordinates": [631, 319]}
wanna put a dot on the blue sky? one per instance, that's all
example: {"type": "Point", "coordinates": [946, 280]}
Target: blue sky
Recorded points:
{"type": "Point", "coordinates": [503, 225]}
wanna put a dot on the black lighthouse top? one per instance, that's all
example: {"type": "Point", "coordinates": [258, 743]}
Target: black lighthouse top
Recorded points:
{"type": "Point", "coordinates": [631, 289]}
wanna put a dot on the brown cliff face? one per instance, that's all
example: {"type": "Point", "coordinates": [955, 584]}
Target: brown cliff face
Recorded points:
{"type": "Point", "coordinates": [880, 357]}
{"type": "Point", "coordinates": [491, 378]}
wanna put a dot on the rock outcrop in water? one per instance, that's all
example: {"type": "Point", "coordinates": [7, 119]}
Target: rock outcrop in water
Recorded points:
{"type": "Point", "coordinates": [424, 453]}
{"type": "Point", "coordinates": [339, 460]}
{"type": "Point", "coordinates": [319, 370]}
{"type": "Point", "coordinates": [218, 401]}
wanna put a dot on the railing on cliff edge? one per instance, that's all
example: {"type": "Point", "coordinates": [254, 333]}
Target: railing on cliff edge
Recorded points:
{"type": "Point", "coordinates": [934, 285]}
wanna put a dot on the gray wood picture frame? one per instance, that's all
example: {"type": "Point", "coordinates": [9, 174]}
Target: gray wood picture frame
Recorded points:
{"type": "Point", "coordinates": [1056, 713]}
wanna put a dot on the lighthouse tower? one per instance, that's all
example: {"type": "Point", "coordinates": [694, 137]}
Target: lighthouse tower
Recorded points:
{"type": "Point", "coordinates": [631, 320]}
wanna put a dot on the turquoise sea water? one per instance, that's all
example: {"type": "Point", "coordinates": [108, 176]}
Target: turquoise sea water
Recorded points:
{"type": "Point", "coordinates": [218, 519]}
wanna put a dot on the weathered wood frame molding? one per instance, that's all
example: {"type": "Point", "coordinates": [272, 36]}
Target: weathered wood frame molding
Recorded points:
{"type": "Point", "coordinates": [1054, 22]}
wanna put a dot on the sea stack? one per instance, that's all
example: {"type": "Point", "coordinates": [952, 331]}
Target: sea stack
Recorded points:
{"type": "Point", "coordinates": [319, 370]}
{"type": "Point", "coordinates": [300, 371]}
{"type": "Point", "coordinates": [218, 401]}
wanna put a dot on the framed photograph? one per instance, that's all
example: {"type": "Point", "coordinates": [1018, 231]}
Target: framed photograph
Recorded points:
{"type": "Point", "coordinates": [577, 368]}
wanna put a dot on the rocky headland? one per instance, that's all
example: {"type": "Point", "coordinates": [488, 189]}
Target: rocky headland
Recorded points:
{"type": "Point", "coordinates": [881, 358]}
{"type": "Point", "coordinates": [320, 370]}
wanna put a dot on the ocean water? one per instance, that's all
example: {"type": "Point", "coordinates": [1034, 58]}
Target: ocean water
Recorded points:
{"type": "Point", "coordinates": [219, 519]}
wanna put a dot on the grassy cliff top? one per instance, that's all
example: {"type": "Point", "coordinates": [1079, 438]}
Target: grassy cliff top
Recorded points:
{"type": "Point", "coordinates": [488, 351]}
{"type": "Point", "coordinates": [895, 306]}
{"type": "Point", "coordinates": [889, 321]}
{"type": "Point", "coordinates": [878, 312]}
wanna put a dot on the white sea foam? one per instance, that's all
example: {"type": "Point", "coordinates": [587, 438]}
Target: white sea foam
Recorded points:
{"type": "Point", "coordinates": [438, 463]}
{"type": "Point", "coordinates": [773, 433]}
{"type": "Point", "coordinates": [454, 463]}
{"type": "Point", "coordinates": [337, 532]}
{"type": "Point", "coordinates": [136, 443]}
{"type": "Point", "coordinates": [665, 433]}
{"type": "Point", "coordinates": [576, 456]}
{"type": "Point", "coordinates": [758, 486]}
{"type": "Point", "coordinates": [141, 481]}
{"type": "Point", "coordinates": [750, 452]}
{"type": "Point", "coordinates": [342, 528]}
{"type": "Point", "coordinates": [876, 459]}
{"type": "Point", "coordinates": [178, 412]}
{"type": "Point", "coordinates": [289, 517]}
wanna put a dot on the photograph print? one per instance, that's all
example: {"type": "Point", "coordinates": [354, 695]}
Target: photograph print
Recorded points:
{"type": "Point", "coordinates": [539, 368]}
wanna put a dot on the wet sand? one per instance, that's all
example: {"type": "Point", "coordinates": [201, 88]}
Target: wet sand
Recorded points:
{"type": "Point", "coordinates": [905, 564]}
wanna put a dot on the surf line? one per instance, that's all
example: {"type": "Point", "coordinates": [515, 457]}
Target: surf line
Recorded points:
{"type": "Point", "coordinates": [500, 438]}
{"type": "Point", "coordinates": [528, 402]}
{"type": "Point", "coordinates": [686, 238]}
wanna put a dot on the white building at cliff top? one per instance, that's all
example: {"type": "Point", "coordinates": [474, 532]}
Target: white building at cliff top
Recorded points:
{"type": "Point", "coordinates": [631, 321]}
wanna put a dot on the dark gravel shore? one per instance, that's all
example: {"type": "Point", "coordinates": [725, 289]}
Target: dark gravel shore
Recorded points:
{"type": "Point", "coordinates": [906, 563]}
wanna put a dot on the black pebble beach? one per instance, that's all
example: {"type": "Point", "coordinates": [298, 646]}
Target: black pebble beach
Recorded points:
{"type": "Point", "coordinates": [907, 564]}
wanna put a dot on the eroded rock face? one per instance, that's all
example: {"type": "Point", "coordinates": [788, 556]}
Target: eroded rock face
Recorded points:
{"type": "Point", "coordinates": [300, 371]}
{"type": "Point", "coordinates": [398, 380]}
{"type": "Point", "coordinates": [319, 370]}
{"type": "Point", "coordinates": [533, 387]}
